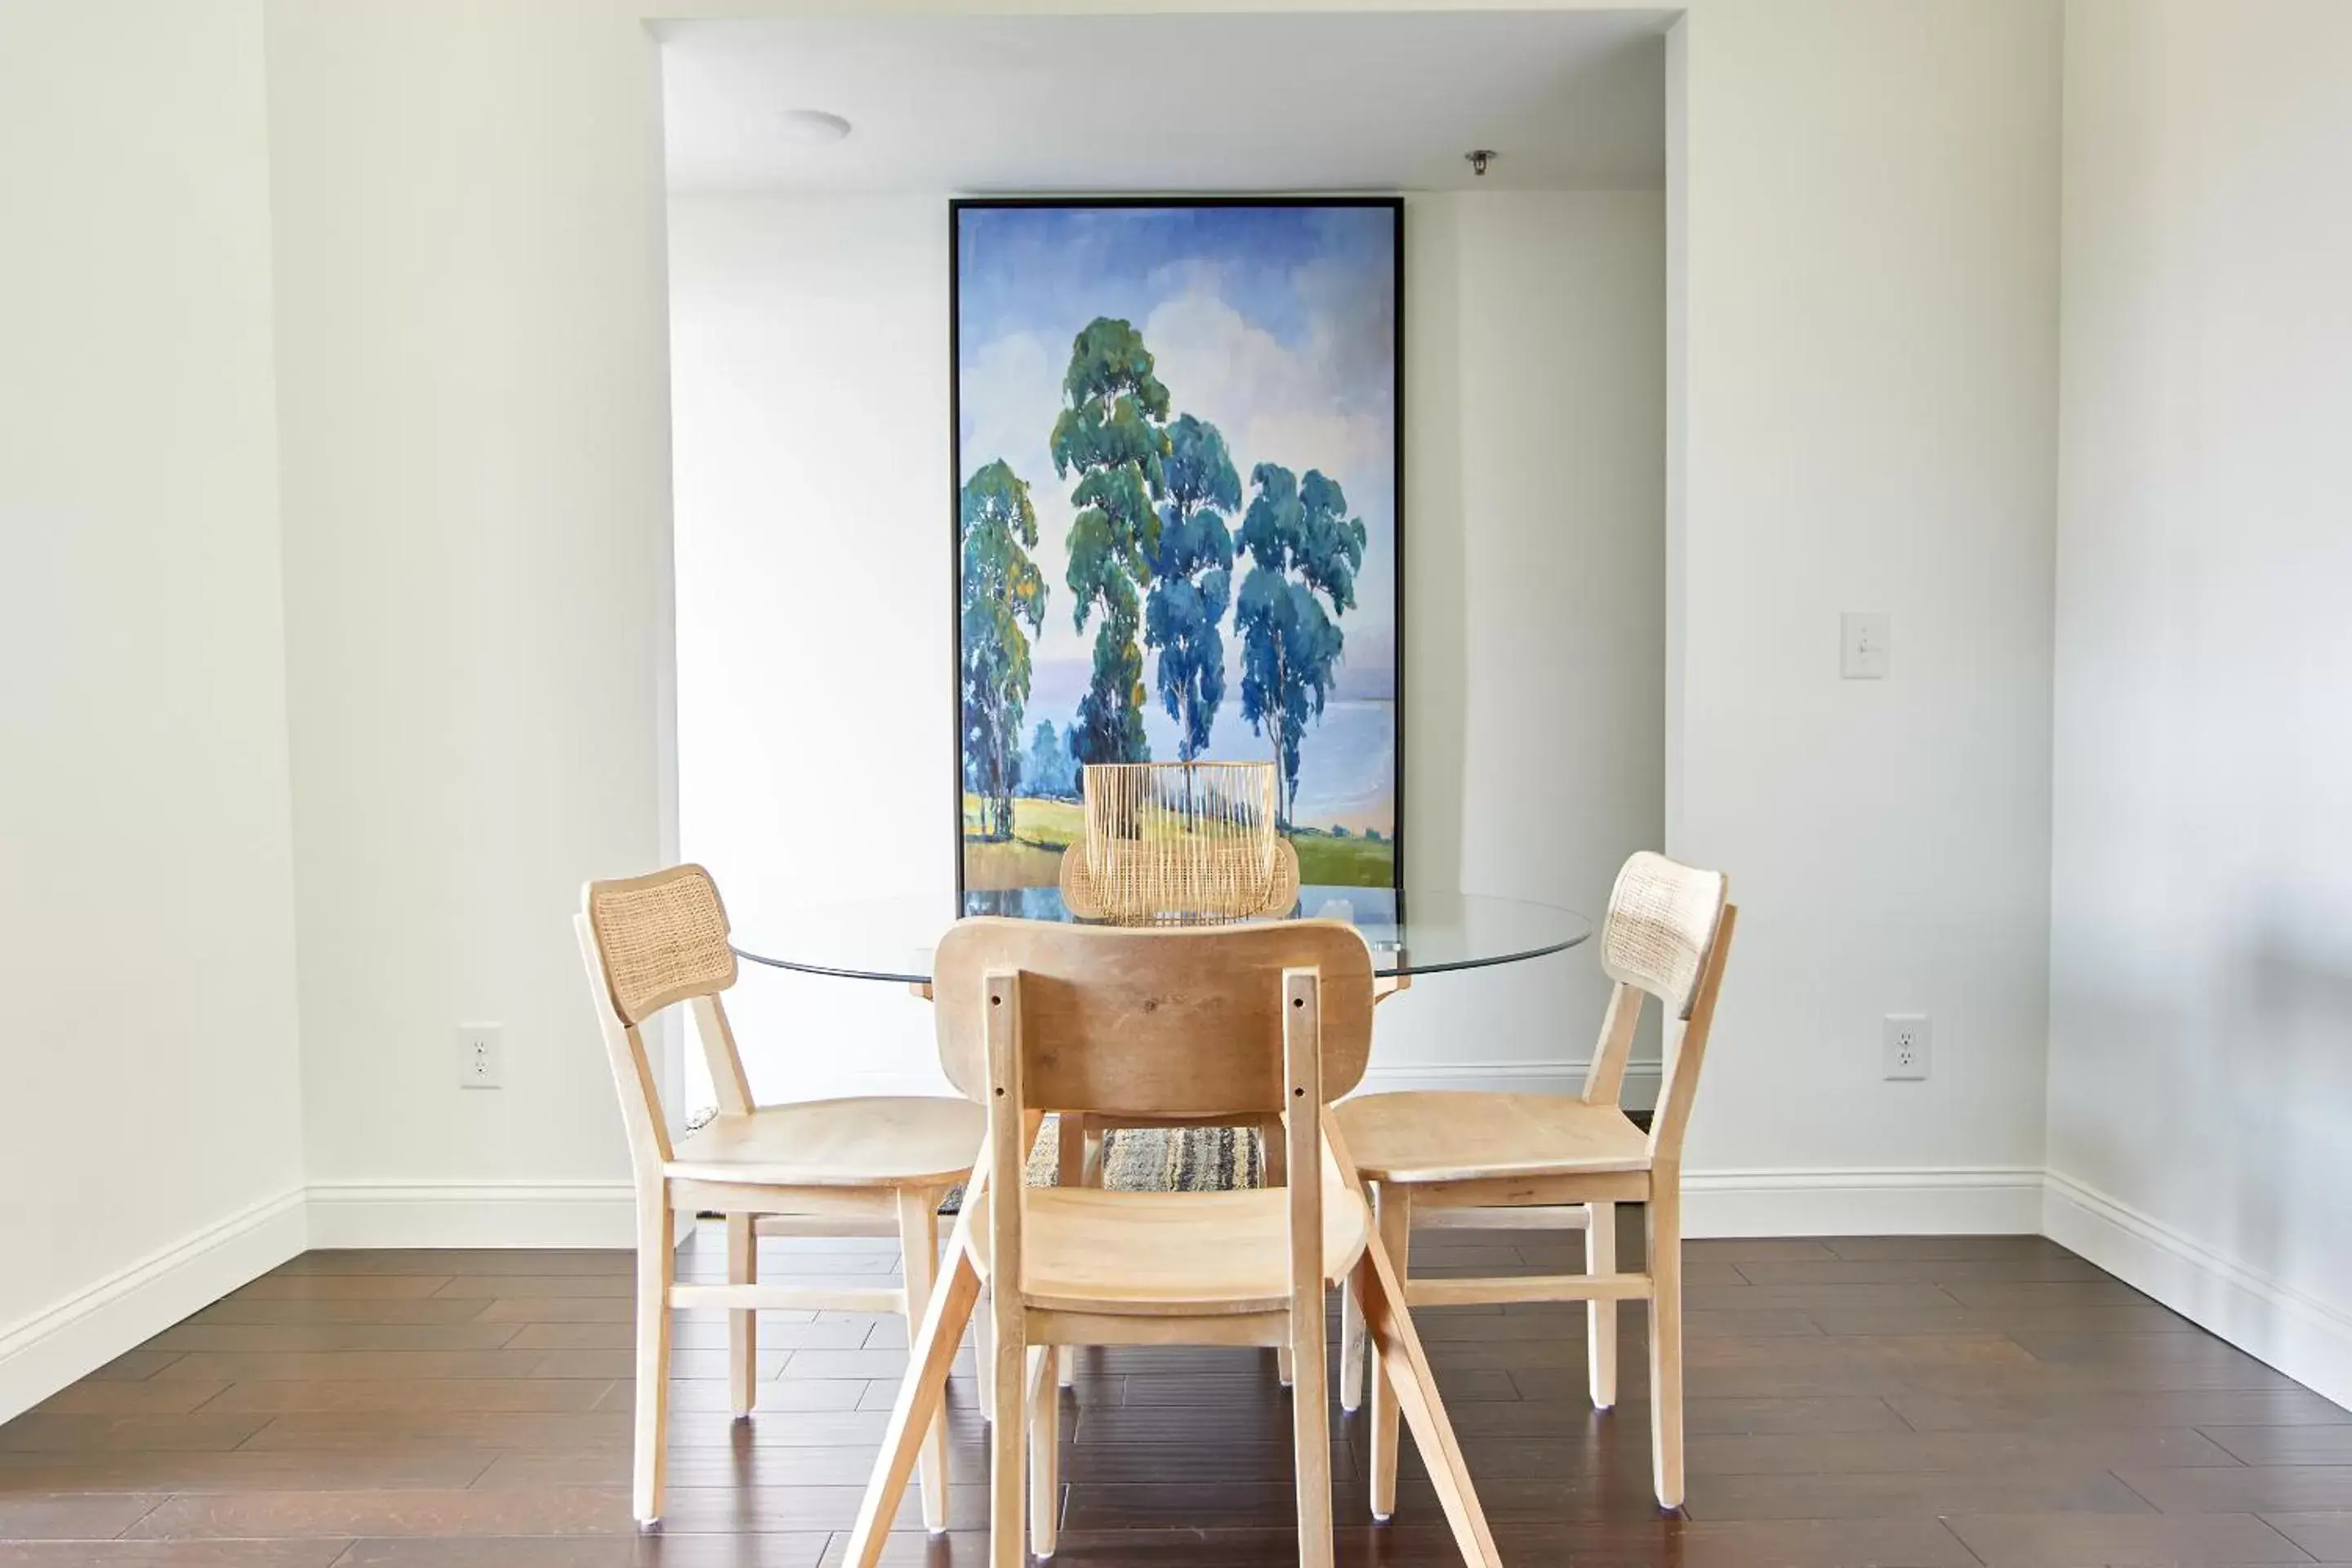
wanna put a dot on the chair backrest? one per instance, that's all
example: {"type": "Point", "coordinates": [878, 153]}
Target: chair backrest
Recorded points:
{"type": "Point", "coordinates": [649, 942]}
{"type": "Point", "coordinates": [663, 938]}
{"type": "Point", "coordinates": [1142, 1022]}
{"type": "Point", "coordinates": [1668, 935]}
{"type": "Point", "coordinates": [1661, 922]}
{"type": "Point", "coordinates": [1180, 844]}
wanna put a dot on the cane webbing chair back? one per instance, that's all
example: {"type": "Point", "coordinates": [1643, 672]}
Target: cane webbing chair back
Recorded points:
{"type": "Point", "coordinates": [1180, 844]}
{"type": "Point", "coordinates": [663, 939]}
{"type": "Point", "coordinates": [1661, 922]}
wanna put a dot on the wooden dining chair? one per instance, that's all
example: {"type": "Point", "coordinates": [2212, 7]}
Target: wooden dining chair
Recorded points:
{"type": "Point", "coordinates": [1668, 935]}
{"type": "Point", "coordinates": [865, 1166]}
{"type": "Point", "coordinates": [1268, 1019]}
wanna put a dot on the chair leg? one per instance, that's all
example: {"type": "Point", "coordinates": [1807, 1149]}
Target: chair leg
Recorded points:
{"type": "Point", "coordinates": [1392, 1221]}
{"type": "Point", "coordinates": [918, 1241]}
{"type": "Point", "coordinates": [1008, 1538]}
{"type": "Point", "coordinates": [1310, 1430]}
{"type": "Point", "coordinates": [1044, 1455]}
{"type": "Point", "coordinates": [1600, 1317]}
{"type": "Point", "coordinates": [1666, 1264]}
{"type": "Point", "coordinates": [983, 1352]}
{"type": "Point", "coordinates": [656, 1268]}
{"type": "Point", "coordinates": [1274, 1171]}
{"type": "Point", "coordinates": [921, 1396]}
{"type": "Point", "coordinates": [1351, 1344]}
{"type": "Point", "coordinates": [1071, 1138]}
{"type": "Point", "coordinates": [1404, 1371]}
{"type": "Point", "coordinates": [742, 1328]}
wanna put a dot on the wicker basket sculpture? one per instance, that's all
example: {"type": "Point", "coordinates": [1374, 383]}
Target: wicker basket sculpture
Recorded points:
{"type": "Point", "coordinates": [1180, 844]}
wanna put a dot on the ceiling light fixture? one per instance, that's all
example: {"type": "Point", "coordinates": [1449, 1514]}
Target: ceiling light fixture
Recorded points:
{"type": "Point", "coordinates": [813, 127]}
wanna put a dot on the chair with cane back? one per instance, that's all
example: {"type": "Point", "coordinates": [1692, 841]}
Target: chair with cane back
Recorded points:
{"type": "Point", "coordinates": [1667, 935]}
{"type": "Point", "coordinates": [865, 1166]}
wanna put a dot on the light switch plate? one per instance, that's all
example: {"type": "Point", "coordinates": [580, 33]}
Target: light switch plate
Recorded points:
{"type": "Point", "coordinates": [1865, 645]}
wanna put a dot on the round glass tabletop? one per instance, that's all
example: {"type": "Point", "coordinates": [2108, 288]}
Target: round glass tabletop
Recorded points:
{"type": "Point", "coordinates": [1419, 932]}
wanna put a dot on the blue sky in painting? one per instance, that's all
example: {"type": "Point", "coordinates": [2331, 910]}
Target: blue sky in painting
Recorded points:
{"type": "Point", "coordinates": [1278, 325]}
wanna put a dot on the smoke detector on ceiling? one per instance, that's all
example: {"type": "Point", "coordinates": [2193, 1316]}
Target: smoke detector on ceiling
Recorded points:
{"type": "Point", "coordinates": [813, 127]}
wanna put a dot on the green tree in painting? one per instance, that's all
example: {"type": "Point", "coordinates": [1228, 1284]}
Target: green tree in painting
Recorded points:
{"type": "Point", "coordinates": [1305, 551]}
{"type": "Point", "coordinates": [1049, 770]}
{"type": "Point", "coordinates": [1112, 434]}
{"type": "Point", "coordinates": [1192, 580]}
{"type": "Point", "coordinates": [1003, 592]}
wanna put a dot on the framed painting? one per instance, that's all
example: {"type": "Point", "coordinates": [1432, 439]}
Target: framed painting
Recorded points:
{"type": "Point", "coordinates": [1177, 483]}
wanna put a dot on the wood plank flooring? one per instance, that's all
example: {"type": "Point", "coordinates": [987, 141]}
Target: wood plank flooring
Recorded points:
{"type": "Point", "coordinates": [1904, 1402]}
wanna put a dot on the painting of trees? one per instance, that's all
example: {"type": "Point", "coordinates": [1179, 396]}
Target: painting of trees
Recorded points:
{"type": "Point", "coordinates": [1003, 594]}
{"type": "Point", "coordinates": [1192, 578]}
{"type": "Point", "coordinates": [1305, 551]}
{"type": "Point", "coordinates": [1111, 434]}
{"type": "Point", "coordinates": [1202, 397]}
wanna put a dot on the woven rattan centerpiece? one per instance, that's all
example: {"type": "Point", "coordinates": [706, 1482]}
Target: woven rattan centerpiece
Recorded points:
{"type": "Point", "coordinates": [1180, 844]}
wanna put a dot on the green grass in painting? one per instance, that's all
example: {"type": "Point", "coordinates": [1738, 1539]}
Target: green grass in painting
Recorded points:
{"type": "Point", "coordinates": [1042, 829]}
{"type": "Point", "coordinates": [1351, 862]}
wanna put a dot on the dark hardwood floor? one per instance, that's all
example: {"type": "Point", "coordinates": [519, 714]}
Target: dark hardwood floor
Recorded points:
{"type": "Point", "coordinates": [1919, 1402]}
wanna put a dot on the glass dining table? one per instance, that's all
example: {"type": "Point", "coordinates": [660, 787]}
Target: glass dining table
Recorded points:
{"type": "Point", "coordinates": [1414, 934]}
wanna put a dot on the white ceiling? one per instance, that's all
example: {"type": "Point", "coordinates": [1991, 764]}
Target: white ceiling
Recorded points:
{"type": "Point", "coordinates": [1259, 102]}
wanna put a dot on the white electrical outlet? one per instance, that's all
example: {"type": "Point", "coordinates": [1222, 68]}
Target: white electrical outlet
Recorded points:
{"type": "Point", "coordinates": [1906, 1041]}
{"type": "Point", "coordinates": [481, 1056]}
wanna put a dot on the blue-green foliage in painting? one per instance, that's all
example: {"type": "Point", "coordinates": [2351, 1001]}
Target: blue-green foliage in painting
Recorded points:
{"type": "Point", "coordinates": [1050, 772]}
{"type": "Point", "coordinates": [1002, 593]}
{"type": "Point", "coordinates": [1305, 551]}
{"type": "Point", "coordinates": [1112, 434]}
{"type": "Point", "coordinates": [1192, 580]}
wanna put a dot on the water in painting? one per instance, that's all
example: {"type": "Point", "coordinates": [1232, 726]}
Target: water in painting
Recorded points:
{"type": "Point", "coordinates": [1176, 443]}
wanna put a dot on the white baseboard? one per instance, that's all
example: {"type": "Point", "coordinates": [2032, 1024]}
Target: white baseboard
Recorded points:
{"type": "Point", "coordinates": [472, 1214]}
{"type": "Point", "coordinates": [2002, 1200]}
{"type": "Point", "coordinates": [52, 1348]}
{"type": "Point", "coordinates": [2302, 1337]}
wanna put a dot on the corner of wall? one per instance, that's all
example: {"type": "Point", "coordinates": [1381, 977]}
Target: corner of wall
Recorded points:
{"type": "Point", "coordinates": [76, 1337]}
{"type": "Point", "coordinates": [2300, 1335]}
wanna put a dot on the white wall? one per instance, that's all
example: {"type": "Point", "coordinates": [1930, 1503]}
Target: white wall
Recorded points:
{"type": "Point", "coordinates": [809, 375]}
{"type": "Point", "coordinates": [471, 324]}
{"type": "Point", "coordinates": [1866, 388]}
{"type": "Point", "coordinates": [476, 490]}
{"type": "Point", "coordinates": [2201, 890]}
{"type": "Point", "coordinates": [809, 394]}
{"type": "Point", "coordinates": [150, 1133]}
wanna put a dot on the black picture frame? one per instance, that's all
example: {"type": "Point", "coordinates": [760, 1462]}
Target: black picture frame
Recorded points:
{"type": "Point", "coordinates": [957, 206]}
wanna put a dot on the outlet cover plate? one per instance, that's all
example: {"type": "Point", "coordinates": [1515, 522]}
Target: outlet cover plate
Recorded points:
{"type": "Point", "coordinates": [481, 1056]}
{"type": "Point", "coordinates": [1908, 1039]}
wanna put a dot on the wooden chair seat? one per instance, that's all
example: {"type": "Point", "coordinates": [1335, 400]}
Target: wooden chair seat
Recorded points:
{"type": "Point", "coordinates": [1169, 1254]}
{"type": "Point", "coordinates": [883, 1141]}
{"type": "Point", "coordinates": [1446, 1136]}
